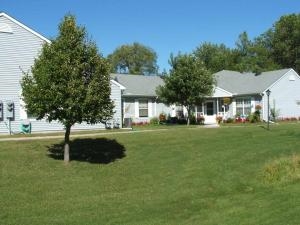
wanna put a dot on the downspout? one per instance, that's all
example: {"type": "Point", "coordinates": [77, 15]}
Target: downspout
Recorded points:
{"type": "Point", "coordinates": [155, 102]}
{"type": "Point", "coordinates": [122, 108]}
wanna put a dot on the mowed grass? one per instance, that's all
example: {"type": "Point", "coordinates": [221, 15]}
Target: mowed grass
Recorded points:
{"type": "Point", "coordinates": [176, 176]}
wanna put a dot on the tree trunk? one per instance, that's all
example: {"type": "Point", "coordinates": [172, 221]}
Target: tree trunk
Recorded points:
{"type": "Point", "coordinates": [67, 144]}
{"type": "Point", "coordinates": [188, 116]}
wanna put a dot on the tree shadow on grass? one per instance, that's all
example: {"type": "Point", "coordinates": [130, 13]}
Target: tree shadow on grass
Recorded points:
{"type": "Point", "coordinates": [100, 150]}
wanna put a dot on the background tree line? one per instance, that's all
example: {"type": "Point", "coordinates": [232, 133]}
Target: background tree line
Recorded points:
{"type": "Point", "coordinates": [278, 47]}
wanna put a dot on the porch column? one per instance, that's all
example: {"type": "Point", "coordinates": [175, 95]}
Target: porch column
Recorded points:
{"type": "Point", "coordinates": [252, 104]}
{"type": "Point", "coordinates": [124, 112]}
{"type": "Point", "coordinates": [155, 113]}
{"type": "Point", "coordinates": [233, 107]}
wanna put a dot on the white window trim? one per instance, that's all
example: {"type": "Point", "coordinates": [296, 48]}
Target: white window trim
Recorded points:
{"type": "Point", "coordinates": [252, 105]}
{"type": "Point", "coordinates": [243, 104]}
{"type": "Point", "coordinates": [138, 108]}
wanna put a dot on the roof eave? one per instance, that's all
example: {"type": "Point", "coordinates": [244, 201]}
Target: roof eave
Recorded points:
{"type": "Point", "coordinates": [118, 84]}
{"type": "Point", "coordinates": [273, 84]}
{"type": "Point", "coordinates": [25, 27]}
{"type": "Point", "coordinates": [139, 95]}
{"type": "Point", "coordinates": [245, 94]}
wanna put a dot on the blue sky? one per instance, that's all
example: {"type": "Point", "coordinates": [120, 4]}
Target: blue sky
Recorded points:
{"type": "Point", "coordinates": [167, 26]}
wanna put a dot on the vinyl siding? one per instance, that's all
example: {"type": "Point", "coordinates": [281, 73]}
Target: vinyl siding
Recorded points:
{"type": "Point", "coordinates": [129, 104]}
{"type": "Point", "coordinates": [115, 96]}
{"type": "Point", "coordinates": [284, 95]}
{"type": "Point", "coordinates": [162, 108]}
{"type": "Point", "coordinates": [17, 53]}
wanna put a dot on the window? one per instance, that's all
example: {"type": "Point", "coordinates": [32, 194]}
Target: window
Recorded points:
{"type": "Point", "coordinates": [247, 106]}
{"type": "Point", "coordinates": [143, 108]}
{"type": "Point", "coordinates": [239, 107]}
{"type": "Point", "coordinates": [243, 106]}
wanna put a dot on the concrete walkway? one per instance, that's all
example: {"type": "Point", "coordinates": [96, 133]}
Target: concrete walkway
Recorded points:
{"type": "Point", "coordinates": [27, 138]}
{"type": "Point", "coordinates": [61, 136]}
{"type": "Point", "coordinates": [211, 125]}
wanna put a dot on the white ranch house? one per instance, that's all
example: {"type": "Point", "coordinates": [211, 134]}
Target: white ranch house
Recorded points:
{"type": "Point", "coordinates": [245, 90]}
{"type": "Point", "coordinates": [248, 90]}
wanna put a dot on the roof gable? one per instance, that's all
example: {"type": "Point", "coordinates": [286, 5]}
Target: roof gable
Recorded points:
{"type": "Point", "coordinates": [117, 84]}
{"type": "Point", "coordinates": [23, 26]}
{"type": "Point", "coordinates": [247, 83]}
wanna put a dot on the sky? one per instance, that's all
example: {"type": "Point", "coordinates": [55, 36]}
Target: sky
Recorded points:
{"type": "Point", "coordinates": [166, 26]}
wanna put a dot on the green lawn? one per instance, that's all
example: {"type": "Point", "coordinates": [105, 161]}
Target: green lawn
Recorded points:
{"type": "Point", "coordinates": [176, 176]}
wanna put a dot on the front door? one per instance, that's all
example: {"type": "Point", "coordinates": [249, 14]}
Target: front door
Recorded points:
{"type": "Point", "coordinates": [210, 115]}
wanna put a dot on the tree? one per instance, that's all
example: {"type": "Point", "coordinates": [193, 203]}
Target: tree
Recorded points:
{"type": "Point", "coordinates": [246, 61]}
{"type": "Point", "coordinates": [254, 56]}
{"type": "Point", "coordinates": [188, 84]}
{"type": "Point", "coordinates": [215, 57]}
{"type": "Point", "coordinates": [134, 59]}
{"type": "Point", "coordinates": [286, 41]}
{"type": "Point", "coordinates": [70, 81]}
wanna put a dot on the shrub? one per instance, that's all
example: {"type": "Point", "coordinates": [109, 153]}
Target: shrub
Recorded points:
{"type": "Point", "coordinates": [287, 119]}
{"type": "Point", "coordinates": [141, 123]}
{"type": "Point", "coordinates": [229, 120]}
{"type": "Point", "coordinates": [193, 119]}
{"type": "Point", "coordinates": [219, 119]}
{"type": "Point", "coordinates": [254, 117]}
{"type": "Point", "coordinates": [182, 121]}
{"type": "Point", "coordinates": [172, 120]}
{"type": "Point", "coordinates": [240, 119]}
{"type": "Point", "coordinates": [162, 117]}
{"type": "Point", "coordinates": [274, 113]}
{"type": "Point", "coordinates": [154, 121]}
{"type": "Point", "coordinates": [200, 120]}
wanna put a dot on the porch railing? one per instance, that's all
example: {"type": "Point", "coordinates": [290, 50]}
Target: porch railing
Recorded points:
{"type": "Point", "coordinates": [199, 114]}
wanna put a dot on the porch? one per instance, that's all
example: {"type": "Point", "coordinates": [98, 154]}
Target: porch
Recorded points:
{"type": "Point", "coordinates": [211, 109]}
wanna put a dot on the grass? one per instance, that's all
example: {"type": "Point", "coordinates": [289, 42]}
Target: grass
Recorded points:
{"type": "Point", "coordinates": [282, 170]}
{"type": "Point", "coordinates": [175, 176]}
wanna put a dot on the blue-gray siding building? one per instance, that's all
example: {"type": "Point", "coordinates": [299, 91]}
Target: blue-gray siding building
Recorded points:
{"type": "Point", "coordinates": [19, 46]}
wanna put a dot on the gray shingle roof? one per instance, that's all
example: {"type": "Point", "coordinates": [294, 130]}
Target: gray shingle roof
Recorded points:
{"type": "Point", "coordinates": [234, 82]}
{"type": "Point", "coordinates": [138, 85]}
{"type": "Point", "coordinates": [247, 83]}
